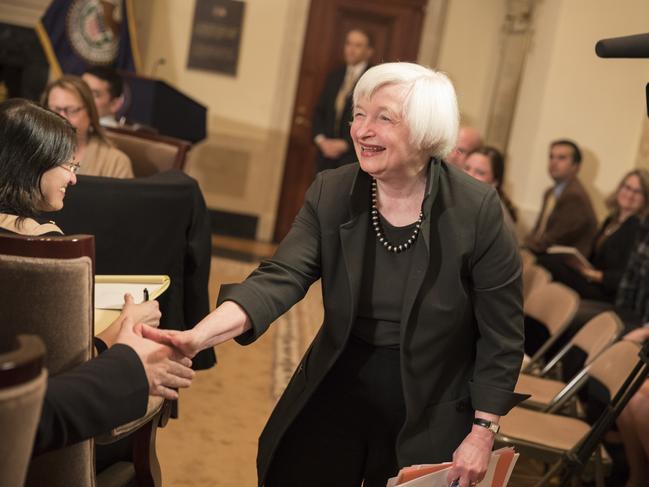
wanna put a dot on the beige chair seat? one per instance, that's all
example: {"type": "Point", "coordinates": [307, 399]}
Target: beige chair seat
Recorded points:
{"type": "Point", "coordinates": [560, 433]}
{"type": "Point", "coordinates": [542, 391]}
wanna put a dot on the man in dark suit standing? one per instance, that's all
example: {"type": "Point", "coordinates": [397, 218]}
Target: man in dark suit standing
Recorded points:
{"type": "Point", "coordinates": [567, 216]}
{"type": "Point", "coordinates": [334, 109]}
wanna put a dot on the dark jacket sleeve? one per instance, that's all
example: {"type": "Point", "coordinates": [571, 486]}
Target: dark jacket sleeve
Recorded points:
{"type": "Point", "coordinates": [92, 398]}
{"type": "Point", "coordinates": [281, 281]}
{"type": "Point", "coordinates": [497, 297]}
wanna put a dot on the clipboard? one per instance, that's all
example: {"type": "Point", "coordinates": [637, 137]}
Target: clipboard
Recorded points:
{"type": "Point", "coordinates": [110, 290]}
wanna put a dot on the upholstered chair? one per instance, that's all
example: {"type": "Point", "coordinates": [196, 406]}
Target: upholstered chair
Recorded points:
{"type": "Point", "coordinates": [22, 386]}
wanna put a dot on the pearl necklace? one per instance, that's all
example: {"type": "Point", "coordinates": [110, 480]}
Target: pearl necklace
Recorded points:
{"type": "Point", "coordinates": [378, 231]}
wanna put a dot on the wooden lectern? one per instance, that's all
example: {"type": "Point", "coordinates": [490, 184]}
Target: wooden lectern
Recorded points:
{"type": "Point", "coordinates": [154, 103]}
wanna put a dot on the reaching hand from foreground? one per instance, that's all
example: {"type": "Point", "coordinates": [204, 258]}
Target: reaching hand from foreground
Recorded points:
{"type": "Point", "coordinates": [166, 368]}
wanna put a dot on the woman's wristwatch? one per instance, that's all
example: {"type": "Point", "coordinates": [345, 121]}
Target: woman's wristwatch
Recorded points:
{"type": "Point", "coordinates": [490, 425]}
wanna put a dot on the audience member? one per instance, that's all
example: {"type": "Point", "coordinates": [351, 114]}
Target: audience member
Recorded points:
{"type": "Point", "coordinates": [107, 90]}
{"type": "Point", "coordinates": [333, 113]}
{"type": "Point", "coordinates": [71, 98]}
{"type": "Point", "coordinates": [612, 245]}
{"type": "Point", "coordinates": [567, 216]}
{"type": "Point", "coordinates": [633, 425]}
{"type": "Point", "coordinates": [632, 297]}
{"type": "Point", "coordinates": [468, 140]}
{"type": "Point", "coordinates": [487, 164]}
{"type": "Point", "coordinates": [36, 147]}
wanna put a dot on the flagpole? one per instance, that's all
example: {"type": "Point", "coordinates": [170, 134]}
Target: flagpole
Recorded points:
{"type": "Point", "coordinates": [135, 48]}
{"type": "Point", "coordinates": [49, 50]}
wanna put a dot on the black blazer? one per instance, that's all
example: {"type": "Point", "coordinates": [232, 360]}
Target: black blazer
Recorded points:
{"type": "Point", "coordinates": [611, 258]}
{"type": "Point", "coordinates": [324, 119]}
{"type": "Point", "coordinates": [153, 225]}
{"type": "Point", "coordinates": [93, 398]}
{"type": "Point", "coordinates": [462, 320]}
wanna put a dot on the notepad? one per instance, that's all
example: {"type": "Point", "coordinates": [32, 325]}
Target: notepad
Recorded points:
{"type": "Point", "coordinates": [110, 290]}
{"type": "Point", "coordinates": [571, 256]}
{"type": "Point", "coordinates": [498, 473]}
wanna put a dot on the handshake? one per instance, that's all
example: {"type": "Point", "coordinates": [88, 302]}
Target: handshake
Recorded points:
{"type": "Point", "coordinates": [165, 354]}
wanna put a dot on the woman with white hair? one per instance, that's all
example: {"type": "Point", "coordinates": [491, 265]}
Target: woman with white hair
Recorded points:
{"type": "Point", "coordinates": [422, 338]}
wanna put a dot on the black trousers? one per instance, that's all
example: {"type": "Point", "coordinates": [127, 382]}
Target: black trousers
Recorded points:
{"type": "Point", "coordinates": [346, 434]}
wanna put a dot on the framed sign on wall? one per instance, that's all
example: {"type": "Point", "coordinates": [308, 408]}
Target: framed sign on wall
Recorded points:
{"type": "Point", "coordinates": [216, 36]}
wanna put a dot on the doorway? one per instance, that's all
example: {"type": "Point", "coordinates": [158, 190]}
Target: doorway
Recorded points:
{"type": "Point", "coordinates": [395, 27]}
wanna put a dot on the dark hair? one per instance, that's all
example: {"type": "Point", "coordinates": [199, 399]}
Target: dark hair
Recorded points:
{"type": "Point", "coordinates": [109, 75]}
{"type": "Point", "coordinates": [33, 140]}
{"type": "Point", "coordinates": [576, 152]}
{"type": "Point", "coordinates": [79, 87]}
{"type": "Point", "coordinates": [643, 176]}
{"type": "Point", "coordinates": [497, 163]}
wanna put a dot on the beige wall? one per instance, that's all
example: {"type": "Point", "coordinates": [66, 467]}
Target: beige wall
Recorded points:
{"type": "Point", "coordinates": [240, 165]}
{"type": "Point", "coordinates": [569, 91]}
{"type": "Point", "coordinates": [469, 54]}
{"type": "Point", "coordinates": [566, 90]}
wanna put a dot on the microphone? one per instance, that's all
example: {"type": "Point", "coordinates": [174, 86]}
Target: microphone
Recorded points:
{"type": "Point", "coordinates": [635, 46]}
{"type": "Point", "coordinates": [158, 62]}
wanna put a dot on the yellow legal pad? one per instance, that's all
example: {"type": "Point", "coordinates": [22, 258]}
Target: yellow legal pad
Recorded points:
{"type": "Point", "coordinates": [110, 290]}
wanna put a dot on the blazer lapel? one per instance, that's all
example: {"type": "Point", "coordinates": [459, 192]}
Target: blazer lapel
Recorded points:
{"type": "Point", "coordinates": [353, 236]}
{"type": "Point", "coordinates": [422, 248]}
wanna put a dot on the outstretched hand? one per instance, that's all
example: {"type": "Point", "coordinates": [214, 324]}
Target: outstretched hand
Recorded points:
{"type": "Point", "coordinates": [184, 341]}
{"type": "Point", "coordinates": [166, 368]}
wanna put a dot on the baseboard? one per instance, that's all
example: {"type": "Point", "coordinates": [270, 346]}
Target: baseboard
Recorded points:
{"type": "Point", "coordinates": [233, 224]}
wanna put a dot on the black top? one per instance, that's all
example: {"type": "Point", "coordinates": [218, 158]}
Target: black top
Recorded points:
{"type": "Point", "coordinates": [613, 254]}
{"type": "Point", "coordinates": [382, 287]}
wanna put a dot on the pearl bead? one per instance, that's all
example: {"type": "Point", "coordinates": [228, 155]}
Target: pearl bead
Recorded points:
{"type": "Point", "coordinates": [376, 224]}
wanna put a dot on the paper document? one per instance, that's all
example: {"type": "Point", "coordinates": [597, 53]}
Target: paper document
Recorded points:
{"type": "Point", "coordinates": [571, 255]}
{"type": "Point", "coordinates": [110, 290]}
{"type": "Point", "coordinates": [498, 473]}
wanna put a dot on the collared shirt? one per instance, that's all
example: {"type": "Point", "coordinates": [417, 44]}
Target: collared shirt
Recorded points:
{"type": "Point", "coordinates": [559, 187]}
{"type": "Point", "coordinates": [357, 70]}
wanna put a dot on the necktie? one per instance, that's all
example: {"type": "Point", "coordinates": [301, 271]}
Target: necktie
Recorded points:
{"type": "Point", "coordinates": [547, 211]}
{"type": "Point", "coordinates": [341, 97]}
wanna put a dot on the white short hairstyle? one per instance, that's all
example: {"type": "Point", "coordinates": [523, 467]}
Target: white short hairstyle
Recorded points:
{"type": "Point", "coordinates": [429, 103]}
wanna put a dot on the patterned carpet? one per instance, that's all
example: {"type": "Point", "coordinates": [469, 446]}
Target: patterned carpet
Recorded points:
{"type": "Point", "coordinates": [214, 443]}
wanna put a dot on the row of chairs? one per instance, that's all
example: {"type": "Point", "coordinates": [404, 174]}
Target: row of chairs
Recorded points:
{"type": "Point", "coordinates": [47, 286]}
{"type": "Point", "coordinates": [550, 424]}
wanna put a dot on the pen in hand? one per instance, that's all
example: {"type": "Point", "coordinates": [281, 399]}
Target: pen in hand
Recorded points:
{"type": "Point", "coordinates": [146, 294]}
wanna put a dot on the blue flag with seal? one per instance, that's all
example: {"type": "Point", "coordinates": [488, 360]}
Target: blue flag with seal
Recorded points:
{"type": "Point", "coordinates": [76, 34]}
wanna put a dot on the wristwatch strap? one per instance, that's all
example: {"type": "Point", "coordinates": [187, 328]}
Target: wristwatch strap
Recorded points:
{"type": "Point", "coordinates": [491, 426]}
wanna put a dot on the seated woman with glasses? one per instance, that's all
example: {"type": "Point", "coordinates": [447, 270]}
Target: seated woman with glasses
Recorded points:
{"type": "Point", "coordinates": [36, 150]}
{"type": "Point", "coordinates": [70, 97]}
{"type": "Point", "coordinates": [612, 245]}
{"type": "Point", "coordinates": [36, 171]}
{"type": "Point", "coordinates": [487, 164]}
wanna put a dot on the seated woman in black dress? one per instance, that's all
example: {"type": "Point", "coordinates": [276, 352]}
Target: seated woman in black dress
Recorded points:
{"type": "Point", "coordinates": [612, 244]}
